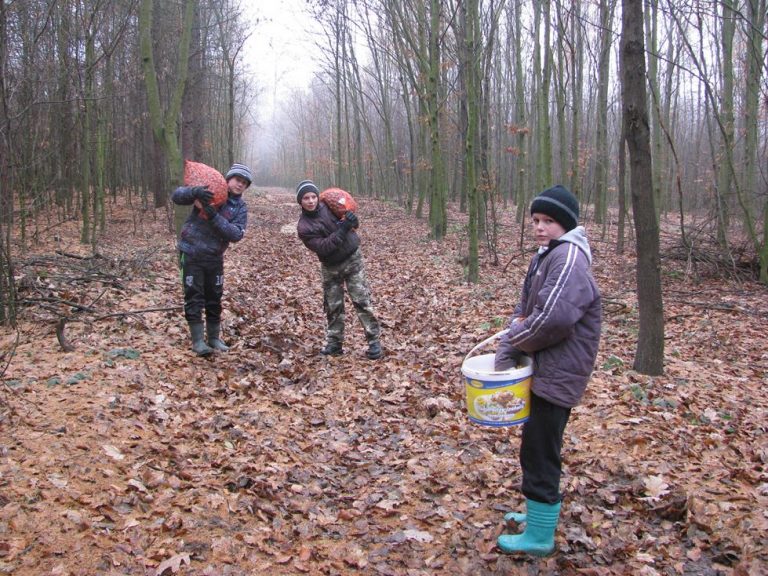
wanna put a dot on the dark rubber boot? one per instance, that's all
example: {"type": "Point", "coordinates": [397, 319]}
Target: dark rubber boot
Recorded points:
{"type": "Point", "coordinates": [199, 346]}
{"type": "Point", "coordinates": [214, 341]}
{"type": "Point", "coordinates": [374, 350]}
{"type": "Point", "coordinates": [332, 349]}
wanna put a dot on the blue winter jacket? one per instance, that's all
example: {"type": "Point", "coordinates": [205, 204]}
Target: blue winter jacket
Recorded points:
{"type": "Point", "coordinates": [204, 239]}
{"type": "Point", "coordinates": [558, 319]}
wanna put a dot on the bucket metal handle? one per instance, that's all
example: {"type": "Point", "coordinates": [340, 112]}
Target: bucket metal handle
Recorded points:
{"type": "Point", "coordinates": [486, 341]}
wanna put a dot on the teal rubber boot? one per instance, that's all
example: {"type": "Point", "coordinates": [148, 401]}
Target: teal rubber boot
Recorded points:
{"type": "Point", "coordinates": [214, 340]}
{"type": "Point", "coordinates": [538, 538]}
{"type": "Point", "coordinates": [199, 346]}
{"type": "Point", "coordinates": [518, 517]}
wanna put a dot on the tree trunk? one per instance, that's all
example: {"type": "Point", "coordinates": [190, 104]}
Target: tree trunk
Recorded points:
{"type": "Point", "coordinates": [544, 166]}
{"type": "Point", "coordinates": [438, 216]}
{"type": "Point", "coordinates": [756, 24]}
{"type": "Point", "coordinates": [725, 177]}
{"type": "Point", "coordinates": [164, 122]}
{"type": "Point", "coordinates": [602, 160]}
{"type": "Point", "coordinates": [7, 283]}
{"type": "Point", "coordinates": [649, 358]}
{"type": "Point", "coordinates": [471, 75]}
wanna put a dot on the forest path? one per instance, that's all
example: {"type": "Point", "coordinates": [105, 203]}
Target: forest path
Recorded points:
{"type": "Point", "coordinates": [130, 455]}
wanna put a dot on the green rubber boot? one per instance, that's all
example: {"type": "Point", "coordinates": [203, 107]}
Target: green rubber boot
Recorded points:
{"type": "Point", "coordinates": [538, 538]}
{"type": "Point", "coordinates": [214, 340]}
{"type": "Point", "coordinates": [199, 346]}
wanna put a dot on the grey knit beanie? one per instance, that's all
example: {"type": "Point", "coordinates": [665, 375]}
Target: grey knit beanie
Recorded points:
{"type": "Point", "coordinates": [240, 170]}
{"type": "Point", "coordinates": [303, 187]}
{"type": "Point", "coordinates": [558, 203]}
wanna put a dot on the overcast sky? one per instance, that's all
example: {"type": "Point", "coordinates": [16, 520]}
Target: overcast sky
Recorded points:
{"type": "Point", "coordinates": [280, 49]}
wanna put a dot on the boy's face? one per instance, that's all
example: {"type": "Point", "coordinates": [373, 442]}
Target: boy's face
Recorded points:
{"type": "Point", "coordinates": [545, 228]}
{"type": "Point", "coordinates": [309, 201]}
{"type": "Point", "coordinates": [237, 185]}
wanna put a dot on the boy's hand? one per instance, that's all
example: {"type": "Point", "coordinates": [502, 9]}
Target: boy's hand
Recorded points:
{"type": "Point", "coordinates": [202, 193]}
{"type": "Point", "coordinates": [350, 220]}
{"type": "Point", "coordinates": [210, 210]}
{"type": "Point", "coordinates": [507, 357]}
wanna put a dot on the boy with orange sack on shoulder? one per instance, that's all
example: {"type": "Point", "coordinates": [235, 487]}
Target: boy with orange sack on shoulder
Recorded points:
{"type": "Point", "coordinates": [337, 246]}
{"type": "Point", "coordinates": [202, 243]}
{"type": "Point", "coordinates": [557, 322]}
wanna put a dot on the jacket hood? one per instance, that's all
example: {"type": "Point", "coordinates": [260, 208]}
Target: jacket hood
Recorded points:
{"type": "Point", "coordinates": [578, 237]}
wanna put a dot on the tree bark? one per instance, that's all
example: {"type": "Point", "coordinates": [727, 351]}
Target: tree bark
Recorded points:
{"type": "Point", "coordinates": [649, 358]}
{"type": "Point", "coordinates": [164, 122]}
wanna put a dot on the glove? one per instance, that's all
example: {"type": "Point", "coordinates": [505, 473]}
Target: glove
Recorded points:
{"type": "Point", "coordinates": [507, 357]}
{"type": "Point", "coordinates": [202, 193]}
{"type": "Point", "coordinates": [349, 222]}
{"type": "Point", "coordinates": [210, 211]}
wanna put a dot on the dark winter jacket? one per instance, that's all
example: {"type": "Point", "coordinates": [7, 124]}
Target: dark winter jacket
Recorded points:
{"type": "Point", "coordinates": [321, 232]}
{"type": "Point", "coordinates": [208, 240]}
{"type": "Point", "coordinates": [558, 319]}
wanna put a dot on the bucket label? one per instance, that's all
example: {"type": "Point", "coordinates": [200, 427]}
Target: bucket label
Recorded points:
{"type": "Point", "coordinates": [498, 403]}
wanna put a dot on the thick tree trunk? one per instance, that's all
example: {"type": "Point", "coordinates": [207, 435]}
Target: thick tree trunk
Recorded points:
{"type": "Point", "coordinates": [164, 122]}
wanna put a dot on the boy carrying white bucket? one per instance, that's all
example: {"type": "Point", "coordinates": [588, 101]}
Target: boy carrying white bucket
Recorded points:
{"type": "Point", "coordinates": [557, 322]}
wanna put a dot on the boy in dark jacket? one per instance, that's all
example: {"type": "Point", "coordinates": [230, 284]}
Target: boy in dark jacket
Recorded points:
{"type": "Point", "coordinates": [337, 246]}
{"type": "Point", "coordinates": [202, 244]}
{"type": "Point", "coordinates": [557, 322]}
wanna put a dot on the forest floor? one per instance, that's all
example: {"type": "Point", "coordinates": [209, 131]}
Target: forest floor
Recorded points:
{"type": "Point", "coordinates": [127, 454]}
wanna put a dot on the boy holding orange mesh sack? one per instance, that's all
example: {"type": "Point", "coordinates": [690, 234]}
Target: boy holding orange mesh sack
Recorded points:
{"type": "Point", "coordinates": [557, 322]}
{"type": "Point", "coordinates": [219, 216]}
{"type": "Point", "coordinates": [327, 228]}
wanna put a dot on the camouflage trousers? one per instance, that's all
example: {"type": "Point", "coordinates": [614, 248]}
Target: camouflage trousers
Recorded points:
{"type": "Point", "coordinates": [352, 273]}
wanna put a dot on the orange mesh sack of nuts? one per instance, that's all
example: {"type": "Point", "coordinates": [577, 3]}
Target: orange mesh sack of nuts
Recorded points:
{"type": "Point", "coordinates": [199, 174]}
{"type": "Point", "coordinates": [339, 201]}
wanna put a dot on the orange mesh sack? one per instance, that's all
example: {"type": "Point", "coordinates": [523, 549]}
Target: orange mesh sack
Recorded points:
{"type": "Point", "coordinates": [199, 174]}
{"type": "Point", "coordinates": [338, 200]}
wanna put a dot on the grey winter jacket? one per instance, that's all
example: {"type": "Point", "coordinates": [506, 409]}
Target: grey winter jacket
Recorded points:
{"type": "Point", "coordinates": [558, 319]}
{"type": "Point", "coordinates": [320, 232]}
{"type": "Point", "coordinates": [208, 240]}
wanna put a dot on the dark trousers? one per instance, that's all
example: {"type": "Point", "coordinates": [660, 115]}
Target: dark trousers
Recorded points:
{"type": "Point", "coordinates": [540, 450]}
{"type": "Point", "coordinates": [203, 282]}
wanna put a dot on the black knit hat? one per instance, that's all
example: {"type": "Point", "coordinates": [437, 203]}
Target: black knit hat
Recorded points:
{"type": "Point", "coordinates": [560, 204]}
{"type": "Point", "coordinates": [240, 170]}
{"type": "Point", "coordinates": [303, 187]}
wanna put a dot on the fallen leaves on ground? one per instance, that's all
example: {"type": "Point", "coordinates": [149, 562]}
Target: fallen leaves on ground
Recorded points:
{"type": "Point", "coordinates": [130, 455]}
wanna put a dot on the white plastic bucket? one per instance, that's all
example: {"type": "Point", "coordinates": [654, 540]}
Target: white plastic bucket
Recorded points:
{"type": "Point", "coordinates": [497, 398]}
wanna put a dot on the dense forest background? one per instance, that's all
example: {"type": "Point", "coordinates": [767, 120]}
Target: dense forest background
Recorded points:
{"type": "Point", "coordinates": [121, 452]}
{"type": "Point", "coordinates": [422, 104]}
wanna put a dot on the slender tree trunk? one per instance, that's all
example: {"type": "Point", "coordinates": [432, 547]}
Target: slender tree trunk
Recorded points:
{"type": "Point", "coordinates": [576, 99]}
{"type": "Point", "coordinates": [651, 26]}
{"type": "Point", "coordinates": [472, 59]}
{"type": "Point", "coordinates": [601, 135]}
{"type": "Point", "coordinates": [622, 192]}
{"type": "Point", "coordinates": [725, 179]}
{"type": "Point", "coordinates": [521, 119]}
{"type": "Point", "coordinates": [649, 358]}
{"type": "Point", "coordinates": [544, 171]}
{"type": "Point", "coordinates": [88, 104]}
{"type": "Point", "coordinates": [438, 216]}
{"type": "Point", "coordinates": [756, 11]}
{"type": "Point", "coordinates": [7, 283]}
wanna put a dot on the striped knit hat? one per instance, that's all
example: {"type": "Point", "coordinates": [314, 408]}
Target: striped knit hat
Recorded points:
{"type": "Point", "coordinates": [303, 187]}
{"type": "Point", "coordinates": [240, 170]}
{"type": "Point", "coordinates": [558, 203]}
